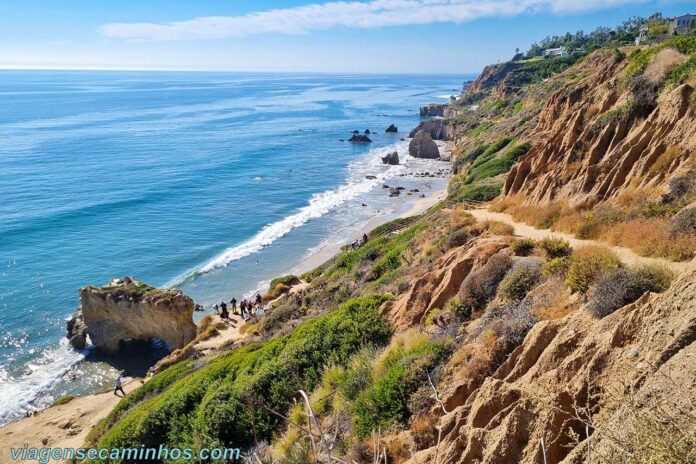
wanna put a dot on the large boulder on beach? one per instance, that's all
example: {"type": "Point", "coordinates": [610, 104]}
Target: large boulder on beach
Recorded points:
{"type": "Point", "coordinates": [423, 146]}
{"type": "Point", "coordinates": [391, 158]}
{"type": "Point", "coordinates": [129, 310]}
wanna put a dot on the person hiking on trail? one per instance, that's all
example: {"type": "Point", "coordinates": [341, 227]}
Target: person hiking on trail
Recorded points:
{"type": "Point", "coordinates": [233, 302]}
{"type": "Point", "coordinates": [215, 308]}
{"type": "Point", "coordinates": [364, 239]}
{"type": "Point", "coordinates": [223, 310]}
{"type": "Point", "coordinates": [258, 299]}
{"type": "Point", "coordinates": [118, 386]}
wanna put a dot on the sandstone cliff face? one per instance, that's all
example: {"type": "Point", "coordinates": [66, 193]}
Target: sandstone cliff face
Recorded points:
{"type": "Point", "coordinates": [436, 287]}
{"type": "Point", "coordinates": [574, 376]}
{"type": "Point", "coordinates": [127, 309]}
{"type": "Point", "coordinates": [588, 147]}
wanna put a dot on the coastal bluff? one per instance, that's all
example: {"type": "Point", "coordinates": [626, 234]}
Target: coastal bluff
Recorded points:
{"type": "Point", "coordinates": [129, 310]}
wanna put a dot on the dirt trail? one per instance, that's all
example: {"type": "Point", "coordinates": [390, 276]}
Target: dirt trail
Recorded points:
{"type": "Point", "coordinates": [627, 256]}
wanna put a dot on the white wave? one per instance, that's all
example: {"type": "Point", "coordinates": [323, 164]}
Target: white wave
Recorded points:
{"type": "Point", "coordinates": [31, 391]}
{"type": "Point", "coordinates": [446, 97]}
{"type": "Point", "coordinates": [319, 205]}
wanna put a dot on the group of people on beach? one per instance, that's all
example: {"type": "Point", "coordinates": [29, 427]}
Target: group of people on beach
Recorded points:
{"type": "Point", "coordinates": [358, 243]}
{"type": "Point", "coordinates": [247, 308]}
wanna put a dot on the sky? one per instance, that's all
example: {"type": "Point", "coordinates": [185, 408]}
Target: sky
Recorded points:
{"type": "Point", "coordinates": [348, 36]}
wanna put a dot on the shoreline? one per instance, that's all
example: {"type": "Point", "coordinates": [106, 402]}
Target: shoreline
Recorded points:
{"type": "Point", "coordinates": [67, 425]}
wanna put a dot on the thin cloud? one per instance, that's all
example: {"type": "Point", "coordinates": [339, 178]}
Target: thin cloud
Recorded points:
{"type": "Point", "coordinates": [371, 14]}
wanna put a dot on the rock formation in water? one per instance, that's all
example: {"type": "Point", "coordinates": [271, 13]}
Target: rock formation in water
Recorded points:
{"type": "Point", "coordinates": [392, 129]}
{"type": "Point", "coordinates": [360, 138]}
{"type": "Point", "coordinates": [423, 146]}
{"type": "Point", "coordinates": [128, 309]}
{"type": "Point", "coordinates": [433, 109]}
{"type": "Point", "coordinates": [391, 158]}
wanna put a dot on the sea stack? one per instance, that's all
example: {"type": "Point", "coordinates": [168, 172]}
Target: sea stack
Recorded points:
{"type": "Point", "coordinates": [391, 158]}
{"type": "Point", "coordinates": [423, 146]}
{"type": "Point", "coordinates": [129, 310]}
{"type": "Point", "coordinates": [392, 129]}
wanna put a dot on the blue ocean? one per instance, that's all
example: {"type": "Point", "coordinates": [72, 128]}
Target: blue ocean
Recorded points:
{"type": "Point", "coordinates": [211, 182]}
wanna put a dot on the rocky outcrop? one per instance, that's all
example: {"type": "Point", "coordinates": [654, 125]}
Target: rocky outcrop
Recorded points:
{"type": "Point", "coordinates": [435, 288]}
{"type": "Point", "coordinates": [573, 375]}
{"type": "Point", "coordinates": [433, 109]}
{"type": "Point", "coordinates": [438, 129]}
{"type": "Point", "coordinates": [360, 138]}
{"type": "Point", "coordinates": [423, 146]}
{"type": "Point", "coordinates": [127, 309]}
{"type": "Point", "coordinates": [590, 144]}
{"type": "Point", "coordinates": [391, 158]}
{"type": "Point", "coordinates": [392, 129]}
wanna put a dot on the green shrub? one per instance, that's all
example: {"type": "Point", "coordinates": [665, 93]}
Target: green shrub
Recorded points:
{"type": "Point", "coordinates": [458, 191]}
{"type": "Point", "coordinates": [480, 129]}
{"type": "Point", "coordinates": [282, 284]}
{"type": "Point", "coordinates": [556, 267]}
{"type": "Point", "coordinates": [587, 264]}
{"type": "Point", "coordinates": [226, 402]}
{"type": "Point", "coordinates": [384, 402]}
{"type": "Point", "coordinates": [523, 276]}
{"type": "Point", "coordinates": [619, 287]}
{"type": "Point", "coordinates": [523, 246]}
{"type": "Point", "coordinates": [554, 247]}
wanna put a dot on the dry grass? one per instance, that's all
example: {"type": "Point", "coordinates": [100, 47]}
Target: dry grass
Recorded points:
{"type": "Point", "coordinates": [460, 217]}
{"type": "Point", "coordinates": [492, 228]}
{"type": "Point", "coordinates": [209, 328]}
{"type": "Point", "coordinates": [650, 237]}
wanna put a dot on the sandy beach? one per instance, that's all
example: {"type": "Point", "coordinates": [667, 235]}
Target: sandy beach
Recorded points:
{"type": "Point", "coordinates": [68, 425]}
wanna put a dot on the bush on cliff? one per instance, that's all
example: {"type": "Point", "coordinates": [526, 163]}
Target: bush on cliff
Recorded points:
{"type": "Point", "coordinates": [588, 263]}
{"type": "Point", "coordinates": [524, 275]}
{"type": "Point", "coordinates": [480, 286]}
{"type": "Point", "coordinates": [619, 287]}
{"type": "Point", "coordinates": [227, 402]}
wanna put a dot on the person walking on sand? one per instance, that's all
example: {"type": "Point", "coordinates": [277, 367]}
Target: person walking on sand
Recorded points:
{"type": "Point", "coordinates": [118, 387]}
{"type": "Point", "coordinates": [233, 302]}
{"type": "Point", "coordinates": [223, 310]}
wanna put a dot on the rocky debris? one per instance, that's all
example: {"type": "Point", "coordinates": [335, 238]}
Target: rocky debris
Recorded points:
{"type": "Point", "coordinates": [392, 129]}
{"type": "Point", "coordinates": [360, 138]}
{"type": "Point", "coordinates": [128, 309]}
{"type": "Point", "coordinates": [433, 109]}
{"type": "Point", "coordinates": [402, 139]}
{"type": "Point", "coordinates": [391, 158]}
{"type": "Point", "coordinates": [385, 186]}
{"type": "Point", "coordinates": [370, 177]}
{"type": "Point", "coordinates": [438, 129]}
{"type": "Point", "coordinates": [395, 191]}
{"type": "Point", "coordinates": [423, 146]}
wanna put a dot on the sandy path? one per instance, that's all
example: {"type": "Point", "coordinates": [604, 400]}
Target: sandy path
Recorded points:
{"type": "Point", "coordinates": [626, 255]}
{"type": "Point", "coordinates": [64, 426]}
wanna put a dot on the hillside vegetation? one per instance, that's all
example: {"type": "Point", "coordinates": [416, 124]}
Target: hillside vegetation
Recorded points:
{"type": "Point", "coordinates": [447, 340]}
